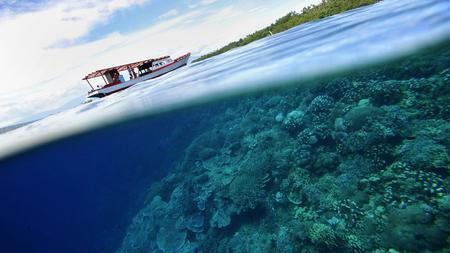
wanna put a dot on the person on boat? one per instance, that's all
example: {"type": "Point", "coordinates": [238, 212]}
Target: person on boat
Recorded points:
{"type": "Point", "coordinates": [115, 77]}
{"type": "Point", "coordinates": [131, 73]}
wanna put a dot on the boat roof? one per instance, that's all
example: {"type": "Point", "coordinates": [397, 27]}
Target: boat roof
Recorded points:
{"type": "Point", "coordinates": [119, 68]}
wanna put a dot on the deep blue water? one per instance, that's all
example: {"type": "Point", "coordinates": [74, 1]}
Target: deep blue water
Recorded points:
{"type": "Point", "coordinates": [78, 190]}
{"type": "Point", "coordinates": [79, 194]}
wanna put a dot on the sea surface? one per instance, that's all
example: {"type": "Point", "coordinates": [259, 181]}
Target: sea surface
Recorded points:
{"type": "Point", "coordinates": [332, 136]}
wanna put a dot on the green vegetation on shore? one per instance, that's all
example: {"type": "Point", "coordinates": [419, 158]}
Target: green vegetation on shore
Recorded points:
{"type": "Point", "coordinates": [325, 9]}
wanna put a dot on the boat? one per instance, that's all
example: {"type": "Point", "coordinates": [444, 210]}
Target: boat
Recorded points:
{"type": "Point", "coordinates": [113, 79]}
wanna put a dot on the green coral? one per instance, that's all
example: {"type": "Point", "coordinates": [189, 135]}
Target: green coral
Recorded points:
{"type": "Point", "coordinates": [304, 214]}
{"type": "Point", "coordinates": [355, 244]}
{"type": "Point", "coordinates": [322, 234]}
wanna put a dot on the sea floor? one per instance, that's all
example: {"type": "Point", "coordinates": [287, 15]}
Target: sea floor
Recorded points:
{"type": "Point", "coordinates": [353, 163]}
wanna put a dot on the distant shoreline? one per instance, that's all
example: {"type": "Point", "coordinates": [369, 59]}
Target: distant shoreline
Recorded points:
{"type": "Point", "coordinates": [311, 13]}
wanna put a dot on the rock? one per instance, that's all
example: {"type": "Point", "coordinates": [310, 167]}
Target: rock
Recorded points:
{"type": "Point", "coordinates": [279, 117]}
{"type": "Point", "coordinates": [220, 219]}
{"type": "Point", "coordinates": [339, 125]}
{"type": "Point", "coordinates": [279, 197]}
{"type": "Point", "coordinates": [195, 223]}
{"type": "Point", "coordinates": [359, 115]}
{"type": "Point", "coordinates": [294, 121]}
{"type": "Point", "coordinates": [424, 153]}
{"type": "Point", "coordinates": [170, 240]}
{"type": "Point", "coordinates": [321, 103]}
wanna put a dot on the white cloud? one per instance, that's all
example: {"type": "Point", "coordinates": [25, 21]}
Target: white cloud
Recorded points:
{"type": "Point", "coordinates": [27, 38]}
{"type": "Point", "coordinates": [29, 56]}
{"type": "Point", "coordinates": [207, 2]}
{"type": "Point", "coordinates": [169, 14]}
{"type": "Point", "coordinates": [194, 4]}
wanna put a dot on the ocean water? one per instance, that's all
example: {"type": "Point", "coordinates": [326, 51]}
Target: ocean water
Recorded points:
{"type": "Point", "coordinates": [330, 137]}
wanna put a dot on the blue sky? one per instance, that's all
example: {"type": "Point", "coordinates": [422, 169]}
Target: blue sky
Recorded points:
{"type": "Point", "coordinates": [63, 40]}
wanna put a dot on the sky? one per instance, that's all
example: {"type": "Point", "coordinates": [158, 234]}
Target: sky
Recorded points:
{"type": "Point", "coordinates": [46, 47]}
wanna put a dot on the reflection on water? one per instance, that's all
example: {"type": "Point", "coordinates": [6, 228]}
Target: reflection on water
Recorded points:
{"type": "Point", "coordinates": [354, 162]}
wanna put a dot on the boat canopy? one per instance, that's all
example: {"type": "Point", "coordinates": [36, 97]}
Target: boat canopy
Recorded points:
{"type": "Point", "coordinates": [119, 68]}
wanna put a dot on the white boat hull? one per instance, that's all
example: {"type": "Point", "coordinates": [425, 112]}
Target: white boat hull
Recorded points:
{"type": "Point", "coordinates": [104, 91]}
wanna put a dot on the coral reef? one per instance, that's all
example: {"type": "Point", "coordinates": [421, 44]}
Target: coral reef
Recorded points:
{"type": "Point", "coordinates": [356, 163]}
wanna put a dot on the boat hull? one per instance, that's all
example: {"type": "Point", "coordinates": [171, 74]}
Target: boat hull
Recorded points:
{"type": "Point", "coordinates": [108, 90]}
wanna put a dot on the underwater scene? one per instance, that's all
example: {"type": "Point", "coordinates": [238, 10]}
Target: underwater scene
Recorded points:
{"type": "Point", "coordinates": [356, 163]}
{"type": "Point", "coordinates": [351, 160]}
